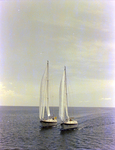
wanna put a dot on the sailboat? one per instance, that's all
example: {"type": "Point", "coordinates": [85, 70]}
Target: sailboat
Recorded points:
{"type": "Point", "coordinates": [45, 120]}
{"type": "Point", "coordinates": [66, 121]}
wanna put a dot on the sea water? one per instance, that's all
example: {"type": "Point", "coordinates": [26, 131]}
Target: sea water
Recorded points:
{"type": "Point", "coordinates": [20, 130]}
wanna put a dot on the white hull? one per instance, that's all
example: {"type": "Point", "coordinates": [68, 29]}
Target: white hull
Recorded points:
{"type": "Point", "coordinates": [48, 123]}
{"type": "Point", "coordinates": [69, 125]}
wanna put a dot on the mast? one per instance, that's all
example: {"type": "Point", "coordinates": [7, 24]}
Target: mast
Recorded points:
{"type": "Point", "coordinates": [47, 81]}
{"type": "Point", "coordinates": [66, 97]}
{"type": "Point", "coordinates": [65, 84]}
{"type": "Point", "coordinates": [47, 103]}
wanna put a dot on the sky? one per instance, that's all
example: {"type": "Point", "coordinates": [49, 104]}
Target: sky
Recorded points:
{"type": "Point", "coordinates": [78, 34]}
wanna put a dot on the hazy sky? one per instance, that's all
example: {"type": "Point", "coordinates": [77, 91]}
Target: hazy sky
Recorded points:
{"type": "Point", "coordinates": [79, 34]}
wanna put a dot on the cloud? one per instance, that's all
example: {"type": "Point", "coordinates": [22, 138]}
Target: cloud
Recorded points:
{"type": "Point", "coordinates": [106, 99]}
{"type": "Point", "coordinates": [69, 33]}
{"type": "Point", "coordinates": [4, 92]}
{"type": "Point", "coordinates": [24, 97]}
{"type": "Point", "coordinates": [78, 34]}
{"type": "Point", "coordinates": [2, 87]}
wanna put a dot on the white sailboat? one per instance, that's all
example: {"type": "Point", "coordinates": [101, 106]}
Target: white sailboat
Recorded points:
{"type": "Point", "coordinates": [44, 101]}
{"type": "Point", "coordinates": [67, 122]}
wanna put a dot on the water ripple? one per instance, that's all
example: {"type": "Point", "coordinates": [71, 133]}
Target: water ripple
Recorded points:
{"type": "Point", "coordinates": [20, 130]}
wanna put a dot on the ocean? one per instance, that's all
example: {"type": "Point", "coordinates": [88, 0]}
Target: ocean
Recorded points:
{"type": "Point", "coordinates": [20, 130]}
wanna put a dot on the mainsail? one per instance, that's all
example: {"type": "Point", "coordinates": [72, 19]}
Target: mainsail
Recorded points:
{"type": "Point", "coordinates": [63, 106]}
{"type": "Point", "coordinates": [44, 94]}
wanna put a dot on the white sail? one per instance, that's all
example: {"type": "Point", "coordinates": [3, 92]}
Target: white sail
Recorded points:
{"type": "Point", "coordinates": [63, 106]}
{"type": "Point", "coordinates": [42, 99]}
{"type": "Point", "coordinates": [44, 94]}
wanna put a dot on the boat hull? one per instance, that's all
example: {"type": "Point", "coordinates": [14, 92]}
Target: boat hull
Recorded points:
{"type": "Point", "coordinates": [48, 123]}
{"type": "Point", "coordinates": [68, 126]}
